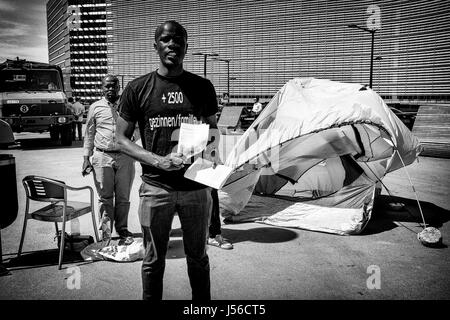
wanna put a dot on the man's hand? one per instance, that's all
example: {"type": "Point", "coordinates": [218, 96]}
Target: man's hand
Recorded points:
{"type": "Point", "coordinates": [87, 167]}
{"type": "Point", "coordinates": [171, 162]}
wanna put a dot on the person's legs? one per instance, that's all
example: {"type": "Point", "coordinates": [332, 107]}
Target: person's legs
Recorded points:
{"type": "Point", "coordinates": [194, 209]}
{"type": "Point", "coordinates": [79, 127]}
{"type": "Point", "coordinates": [123, 181]}
{"type": "Point", "coordinates": [156, 212]}
{"type": "Point", "coordinates": [215, 231]}
{"type": "Point", "coordinates": [214, 226]}
{"type": "Point", "coordinates": [73, 130]}
{"type": "Point", "coordinates": [104, 183]}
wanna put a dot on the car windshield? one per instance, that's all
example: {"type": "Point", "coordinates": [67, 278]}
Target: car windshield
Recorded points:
{"type": "Point", "coordinates": [35, 80]}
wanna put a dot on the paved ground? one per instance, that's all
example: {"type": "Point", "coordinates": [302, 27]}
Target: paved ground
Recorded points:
{"type": "Point", "coordinates": [267, 262]}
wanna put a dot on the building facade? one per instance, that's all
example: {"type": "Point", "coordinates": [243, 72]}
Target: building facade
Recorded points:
{"type": "Point", "coordinates": [265, 43]}
{"type": "Point", "coordinates": [77, 43]}
{"type": "Point", "coordinates": [260, 44]}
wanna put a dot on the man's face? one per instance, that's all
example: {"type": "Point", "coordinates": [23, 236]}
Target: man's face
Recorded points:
{"type": "Point", "coordinates": [171, 46]}
{"type": "Point", "coordinates": [110, 87]}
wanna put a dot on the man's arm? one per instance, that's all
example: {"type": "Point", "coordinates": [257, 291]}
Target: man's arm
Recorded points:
{"type": "Point", "coordinates": [88, 145]}
{"type": "Point", "coordinates": [211, 120]}
{"type": "Point", "coordinates": [79, 110]}
{"type": "Point", "coordinates": [124, 132]}
{"type": "Point", "coordinates": [70, 107]}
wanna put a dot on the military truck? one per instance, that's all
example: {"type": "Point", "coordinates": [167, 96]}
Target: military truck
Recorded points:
{"type": "Point", "coordinates": [32, 99]}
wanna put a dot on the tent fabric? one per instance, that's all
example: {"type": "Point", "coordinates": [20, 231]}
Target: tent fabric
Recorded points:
{"type": "Point", "coordinates": [322, 141]}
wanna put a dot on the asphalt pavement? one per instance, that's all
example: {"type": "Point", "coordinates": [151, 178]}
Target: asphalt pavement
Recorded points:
{"type": "Point", "coordinates": [386, 262]}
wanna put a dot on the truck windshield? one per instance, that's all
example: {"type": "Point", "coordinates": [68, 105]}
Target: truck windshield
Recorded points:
{"type": "Point", "coordinates": [34, 80]}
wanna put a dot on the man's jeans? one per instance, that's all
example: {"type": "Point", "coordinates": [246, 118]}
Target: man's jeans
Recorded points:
{"type": "Point", "coordinates": [113, 178]}
{"type": "Point", "coordinates": [156, 211]}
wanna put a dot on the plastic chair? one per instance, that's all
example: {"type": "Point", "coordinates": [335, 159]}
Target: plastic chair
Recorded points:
{"type": "Point", "coordinates": [59, 210]}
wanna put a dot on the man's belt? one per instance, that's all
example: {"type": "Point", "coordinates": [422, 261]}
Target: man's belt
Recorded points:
{"type": "Point", "coordinates": [107, 151]}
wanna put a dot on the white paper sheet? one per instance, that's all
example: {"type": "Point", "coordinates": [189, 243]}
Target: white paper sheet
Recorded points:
{"type": "Point", "coordinates": [203, 172]}
{"type": "Point", "coordinates": [193, 139]}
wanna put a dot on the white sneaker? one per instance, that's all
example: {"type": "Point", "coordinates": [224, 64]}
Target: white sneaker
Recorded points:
{"type": "Point", "coordinates": [220, 242]}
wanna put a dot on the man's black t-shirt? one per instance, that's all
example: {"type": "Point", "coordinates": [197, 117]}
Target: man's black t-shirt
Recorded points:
{"type": "Point", "coordinates": [160, 105]}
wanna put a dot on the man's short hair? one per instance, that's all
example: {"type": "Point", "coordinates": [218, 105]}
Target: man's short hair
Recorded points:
{"type": "Point", "coordinates": [70, 99]}
{"type": "Point", "coordinates": [113, 77]}
{"type": "Point", "coordinates": [160, 28]}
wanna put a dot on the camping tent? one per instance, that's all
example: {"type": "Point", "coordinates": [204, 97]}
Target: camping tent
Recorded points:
{"type": "Point", "coordinates": [314, 158]}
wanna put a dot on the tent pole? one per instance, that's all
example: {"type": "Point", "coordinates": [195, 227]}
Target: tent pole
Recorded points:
{"type": "Point", "coordinates": [414, 189]}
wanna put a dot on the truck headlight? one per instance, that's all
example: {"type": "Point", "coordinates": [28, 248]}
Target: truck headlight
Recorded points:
{"type": "Point", "coordinates": [62, 120]}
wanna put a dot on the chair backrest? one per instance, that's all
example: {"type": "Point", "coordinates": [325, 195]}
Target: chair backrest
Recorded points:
{"type": "Point", "coordinates": [230, 117]}
{"type": "Point", "coordinates": [43, 189]}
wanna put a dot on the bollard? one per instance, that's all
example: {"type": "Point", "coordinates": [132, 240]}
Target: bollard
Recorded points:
{"type": "Point", "coordinates": [8, 198]}
{"type": "Point", "coordinates": [8, 190]}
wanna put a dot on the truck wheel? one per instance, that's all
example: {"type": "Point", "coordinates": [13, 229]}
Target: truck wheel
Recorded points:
{"type": "Point", "coordinates": [54, 134]}
{"type": "Point", "coordinates": [66, 135]}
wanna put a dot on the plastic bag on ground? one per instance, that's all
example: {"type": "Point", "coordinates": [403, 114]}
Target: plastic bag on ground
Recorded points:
{"type": "Point", "coordinates": [124, 253]}
{"type": "Point", "coordinates": [115, 252]}
{"type": "Point", "coordinates": [90, 253]}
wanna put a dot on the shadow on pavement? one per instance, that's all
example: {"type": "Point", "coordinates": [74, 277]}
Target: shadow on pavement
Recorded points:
{"type": "Point", "coordinates": [42, 258]}
{"type": "Point", "coordinates": [261, 235]}
{"type": "Point", "coordinates": [175, 249]}
{"type": "Point", "coordinates": [384, 217]}
{"type": "Point", "coordinates": [44, 143]}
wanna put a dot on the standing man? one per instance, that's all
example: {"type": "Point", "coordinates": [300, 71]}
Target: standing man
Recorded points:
{"type": "Point", "coordinates": [78, 110]}
{"type": "Point", "coordinates": [113, 170]}
{"type": "Point", "coordinates": [257, 107]}
{"type": "Point", "coordinates": [159, 102]}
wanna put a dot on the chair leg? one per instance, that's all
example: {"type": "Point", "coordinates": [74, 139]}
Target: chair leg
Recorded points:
{"type": "Point", "coordinates": [23, 236]}
{"type": "Point", "coordinates": [56, 227]}
{"type": "Point", "coordinates": [61, 246]}
{"type": "Point", "coordinates": [3, 270]}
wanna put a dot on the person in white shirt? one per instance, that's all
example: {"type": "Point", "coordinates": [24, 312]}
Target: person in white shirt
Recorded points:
{"type": "Point", "coordinates": [113, 171]}
{"type": "Point", "coordinates": [77, 110]}
{"type": "Point", "coordinates": [257, 106]}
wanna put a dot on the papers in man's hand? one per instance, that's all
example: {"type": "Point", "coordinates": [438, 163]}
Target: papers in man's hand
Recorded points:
{"type": "Point", "coordinates": [193, 139]}
{"type": "Point", "coordinates": [202, 171]}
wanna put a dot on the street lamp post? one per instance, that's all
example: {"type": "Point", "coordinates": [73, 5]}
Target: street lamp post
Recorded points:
{"type": "Point", "coordinates": [372, 32]}
{"type": "Point", "coordinates": [379, 58]}
{"type": "Point", "coordinates": [227, 61]}
{"type": "Point", "coordinates": [205, 56]}
{"type": "Point", "coordinates": [122, 76]}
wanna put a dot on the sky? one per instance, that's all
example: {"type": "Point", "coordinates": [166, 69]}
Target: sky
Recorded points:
{"type": "Point", "coordinates": [23, 30]}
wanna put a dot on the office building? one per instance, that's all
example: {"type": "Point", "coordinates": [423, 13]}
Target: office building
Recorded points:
{"type": "Point", "coordinates": [268, 42]}
{"type": "Point", "coordinates": [77, 43]}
